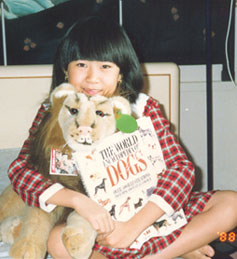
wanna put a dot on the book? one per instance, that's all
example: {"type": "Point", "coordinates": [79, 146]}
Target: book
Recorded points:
{"type": "Point", "coordinates": [121, 172]}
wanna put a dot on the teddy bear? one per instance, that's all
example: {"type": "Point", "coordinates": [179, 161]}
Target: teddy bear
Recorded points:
{"type": "Point", "coordinates": [73, 122]}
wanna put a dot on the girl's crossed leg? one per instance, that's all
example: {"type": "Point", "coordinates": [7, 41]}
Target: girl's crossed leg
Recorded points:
{"type": "Point", "coordinates": [219, 215]}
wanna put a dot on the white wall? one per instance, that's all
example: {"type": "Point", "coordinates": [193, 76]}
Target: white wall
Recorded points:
{"type": "Point", "coordinates": [193, 129]}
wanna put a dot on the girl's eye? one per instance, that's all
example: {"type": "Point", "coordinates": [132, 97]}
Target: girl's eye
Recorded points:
{"type": "Point", "coordinates": [106, 66]}
{"type": "Point", "coordinates": [73, 111]}
{"type": "Point", "coordinates": [81, 64]}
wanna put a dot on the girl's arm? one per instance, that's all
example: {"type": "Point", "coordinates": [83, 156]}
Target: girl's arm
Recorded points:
{"type": "Point", "coordinates": [98, 217]}
{"type": "Point", "coordinates": [126, 232]}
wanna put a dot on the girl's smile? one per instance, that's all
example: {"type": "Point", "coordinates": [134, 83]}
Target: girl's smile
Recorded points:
{"type": "Point", "coordinates": [94, 77]}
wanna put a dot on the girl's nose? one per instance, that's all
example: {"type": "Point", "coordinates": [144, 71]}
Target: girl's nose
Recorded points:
{"type": "Point", "coordinates": [93, 74]}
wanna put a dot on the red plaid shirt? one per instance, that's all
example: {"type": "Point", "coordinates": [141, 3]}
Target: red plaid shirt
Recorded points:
{"type": "Point", "coordinates": [175, 185]}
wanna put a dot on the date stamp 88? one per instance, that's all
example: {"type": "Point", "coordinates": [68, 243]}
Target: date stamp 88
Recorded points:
{"type": "Point", "coordinates": [227, 237]}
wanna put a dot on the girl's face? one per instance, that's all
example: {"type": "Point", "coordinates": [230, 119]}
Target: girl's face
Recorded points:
{"type": "Point", "coordinates": [94, 77]}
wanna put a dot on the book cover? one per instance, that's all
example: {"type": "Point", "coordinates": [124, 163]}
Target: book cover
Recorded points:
{"type": "Point", "coordinates": [121, 172]}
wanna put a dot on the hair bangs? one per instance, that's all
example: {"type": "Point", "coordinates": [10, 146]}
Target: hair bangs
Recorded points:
{"type": "Point", "coordinates": [94, 46]}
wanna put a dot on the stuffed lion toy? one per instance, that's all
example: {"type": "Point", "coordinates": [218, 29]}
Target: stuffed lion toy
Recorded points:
{"type": "Point", "coordinates": [74, 122]}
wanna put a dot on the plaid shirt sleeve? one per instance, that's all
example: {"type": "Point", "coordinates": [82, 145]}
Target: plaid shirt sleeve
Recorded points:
{"type": "Point", "coordinates": [27, 182]}
{"type": "Point", "coordinates": [175, 184]}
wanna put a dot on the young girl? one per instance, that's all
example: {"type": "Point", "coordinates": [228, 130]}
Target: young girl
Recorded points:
{"type": "Point", "coordinates": [97, 58]}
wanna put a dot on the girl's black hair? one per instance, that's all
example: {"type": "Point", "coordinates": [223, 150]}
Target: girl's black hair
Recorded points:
{"type": "Point", "coordinates": [103, 40]}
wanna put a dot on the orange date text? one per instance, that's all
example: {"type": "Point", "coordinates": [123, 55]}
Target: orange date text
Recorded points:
{"type": "Point", "coordinates": [227, 237]}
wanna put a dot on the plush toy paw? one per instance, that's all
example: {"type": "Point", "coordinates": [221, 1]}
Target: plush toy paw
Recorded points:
{"type": "Point", "coordinates": [27, 249]}
{"type": "Point", "coordinates": [10, 229]}
{"type": "Point", "coordinates": [78, 237]}
{"type": "Point", "coordinates": [77, 244]}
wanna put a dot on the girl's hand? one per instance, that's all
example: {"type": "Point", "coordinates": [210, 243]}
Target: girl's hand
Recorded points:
{"type": "Point", "coordinates": [125, 233]}
{"type": "Point", "coordinates": [98, 217]}
{"type": "Point", "coordinates": [122, 236]}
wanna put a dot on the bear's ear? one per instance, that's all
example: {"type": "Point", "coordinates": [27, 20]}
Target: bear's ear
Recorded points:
{"type": "Point", "coordinates": [121, 105]}
{"type": "Point", "coordinates": [61, 92]}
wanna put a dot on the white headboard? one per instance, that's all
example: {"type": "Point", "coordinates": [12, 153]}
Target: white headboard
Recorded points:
{"type": "Point", "coordinates": [23, 88]}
